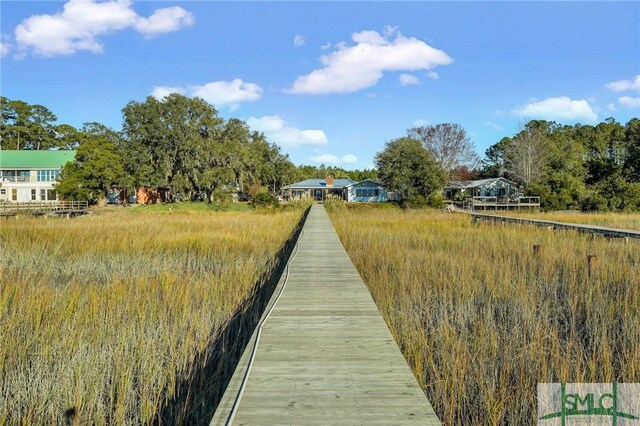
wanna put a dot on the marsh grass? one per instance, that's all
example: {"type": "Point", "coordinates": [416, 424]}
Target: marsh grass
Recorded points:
{"type": "Point", "coordinates": [481, 320]}
{"type": "Point", "coordinates": [103, 316]}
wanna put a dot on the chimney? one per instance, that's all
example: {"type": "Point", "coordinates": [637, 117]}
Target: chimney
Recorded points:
{"type": "Point", "coordinates": [329, 180]}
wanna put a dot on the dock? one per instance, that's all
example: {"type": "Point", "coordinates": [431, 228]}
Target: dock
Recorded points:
{"type": "Point", "coordinates": [592, 229]}
{"type": "Point", "coordinates": [42, 208]}
{"type": "Point", "coordinates": [322, 353]}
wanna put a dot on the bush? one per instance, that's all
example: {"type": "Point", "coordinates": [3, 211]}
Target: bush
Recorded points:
{"type": "Point", "coordinates": [264, 200]}
{"type": "Point", "coordinates": [221, 196]}
{"type": "Point", "coordinates": [415, 202]}
{"type": "Point", "coordinates": [435, 200]}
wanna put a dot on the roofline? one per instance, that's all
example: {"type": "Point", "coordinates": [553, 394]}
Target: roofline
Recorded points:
{"type": "Point", "coordinates": [366, 180]}
{"type": "Point", "coordinates": [478, 180]}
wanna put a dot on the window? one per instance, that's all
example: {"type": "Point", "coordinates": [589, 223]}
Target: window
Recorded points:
{"type": "Point", "coordinates": [48, 175]}
{"type": "Point", "coordinates": [34, 193]}
{"type": "Point", "coordinates": [367, 192]}
{"type": "Point", "coordinates": [3, 191]}
{"type": "Point", "coordinates": [14, 194]}
{"type": "Point", "coordinates": [48, 194]}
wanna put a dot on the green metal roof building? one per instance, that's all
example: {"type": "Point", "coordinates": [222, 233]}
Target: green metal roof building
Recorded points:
{"type": "Point", "coordinates": [30, 159]}
{"type": "Point", "coordinates": [28, 175]}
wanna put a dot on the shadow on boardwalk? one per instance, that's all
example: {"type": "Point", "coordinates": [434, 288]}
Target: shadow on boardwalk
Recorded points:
{"type": "Point", "coordinates": [199, 393]}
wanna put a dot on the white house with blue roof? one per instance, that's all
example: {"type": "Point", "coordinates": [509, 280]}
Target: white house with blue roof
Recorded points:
{"type": "Point", "coordinates": [347, 189]}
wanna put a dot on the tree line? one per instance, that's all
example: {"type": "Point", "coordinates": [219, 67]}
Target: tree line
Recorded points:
{"type": "Point", "coordinates": [177, 142]}
{"type": "Point", "coordinates": [182, 143]}
{"type": "Point", "coordinates": [585, 167]}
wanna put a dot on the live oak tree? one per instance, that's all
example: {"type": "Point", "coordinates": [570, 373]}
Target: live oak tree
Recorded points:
{"type": "Point", "coordinates": [181, 142]}
{"type": "Point", "coordinates": [407, 167]}
{"type": "Point", "coordinates": [97, 167]}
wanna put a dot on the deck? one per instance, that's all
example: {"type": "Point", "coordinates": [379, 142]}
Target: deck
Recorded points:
{"type": "Point", "coordinates": [322, 353]}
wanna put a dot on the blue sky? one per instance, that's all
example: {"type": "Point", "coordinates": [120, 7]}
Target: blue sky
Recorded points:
{"type": "Point", "coordinates": [330, 82]}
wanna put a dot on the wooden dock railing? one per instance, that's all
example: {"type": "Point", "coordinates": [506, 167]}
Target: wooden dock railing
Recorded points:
{"type": "Point", "coordinates": [43, 207]}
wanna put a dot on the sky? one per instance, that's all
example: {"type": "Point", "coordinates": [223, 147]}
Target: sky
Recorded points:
{"type": "Point", "coordinates": [330, 82]}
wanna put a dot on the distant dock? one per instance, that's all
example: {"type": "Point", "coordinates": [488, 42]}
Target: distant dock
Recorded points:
{"type": "Point", "coordinates": [599, 230]}
{"type": "Point", "coordinates": [51, 208]}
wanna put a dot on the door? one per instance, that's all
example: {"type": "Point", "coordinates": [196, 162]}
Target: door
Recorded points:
{"type": "Point", "coordinates": [317, 194]}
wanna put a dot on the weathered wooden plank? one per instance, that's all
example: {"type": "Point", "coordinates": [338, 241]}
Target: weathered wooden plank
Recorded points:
{"type": "Point", "coordinates": [325, 354]}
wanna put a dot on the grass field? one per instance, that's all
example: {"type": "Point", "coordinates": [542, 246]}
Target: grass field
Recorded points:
{"type": "Point", "coordinates": [481, 320]}
{"type": "Point", "coordinates": [102, 316]}
{"type": "Point", "coordinates": [610, 220]}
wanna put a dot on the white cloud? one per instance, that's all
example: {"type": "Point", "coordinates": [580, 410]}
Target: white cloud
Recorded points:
{"type": "Point", "coordinates": [81, 22]}
{"type": "Point", "coordinates": [218, 93]}
{"type": "Point", "coordinates": [408, 79]}
{"type": "Point", "coordinates": [326, 46]}
{"type": "Point", "coordinates": [630, 102]}
{"type": "Point", "coordinates": [165, 20]}
{"type": "Point", "coordinates": [332, 159]}
{"type": "Point", "coordinates": [611, 107]}
{"type": "Point", "coordinates": [420, 122]}
{"type": "Point", "coordinates": [492, 125]}
{"type": "Point", "coordinates": [299, 40]}
{"type": "Point", "coordinates": [277, 130]}
{"type": "Point", "coordinates": [159, 92]}
{"type": "Point", "coordinates": [5, 46]}
{"type": "Point", "coordinates": [433, 75]}
{"type": "Point", "coordinates": [352, 68]}
{"type": "Point", "coordinates": [561, 108]}
{"type": "Point", "coordinates": [223, 93]}
{"type": "Point", "coordinates": [622, 85]}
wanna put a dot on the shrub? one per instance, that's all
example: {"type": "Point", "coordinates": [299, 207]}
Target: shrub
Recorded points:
{"type": "Point", "coordinates": [264, 200]}
{"type": "Point", "coordinates": [415, 202]}
{"type": "Point", "coordinates": [435, 200]}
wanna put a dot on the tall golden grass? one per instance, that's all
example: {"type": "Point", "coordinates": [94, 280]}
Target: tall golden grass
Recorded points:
{"type": "Point", "coordinates": [481, 320]}
{"type": "Point", "coordinates": [611, 220]}
{"type": "Point", "coordinates": [102, 317]}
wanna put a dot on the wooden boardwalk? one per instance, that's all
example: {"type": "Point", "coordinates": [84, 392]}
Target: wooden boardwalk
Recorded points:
{"type": "Point", "coordinates": [593, 229]}
{"type": "Point", "coordinates": [324, 353]}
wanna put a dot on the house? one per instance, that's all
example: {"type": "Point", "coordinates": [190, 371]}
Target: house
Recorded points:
{"type": "Point", "coordinates": [492, 194]}
{"type": "Point", "coordinates": [30, 175]}
{"type": "Point", "coordinates": [494, 187]}
{"type": "Point", "coordinates": [153, 194]}
{"type": "Point", "coordinates": [347, 189]}
{"type": "Point", "coordinates": [366, 191]}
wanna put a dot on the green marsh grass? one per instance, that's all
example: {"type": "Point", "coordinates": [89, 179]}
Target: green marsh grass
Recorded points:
{"type": "Point", "coordinates": [481, 320]}
{"type": "Point", "coordinates": [104, 315]}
